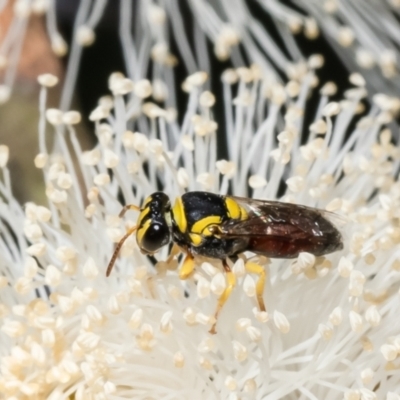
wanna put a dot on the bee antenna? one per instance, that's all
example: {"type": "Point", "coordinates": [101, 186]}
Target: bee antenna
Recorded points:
{"type": "Point", "coordinates": [126, 208]}
{"type": "Point", "coordinates": [117, 250]}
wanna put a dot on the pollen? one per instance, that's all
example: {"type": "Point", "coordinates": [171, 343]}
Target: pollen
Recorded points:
{"type": "Point", "coordinates": [101, 179]}
{"type": "Point", "coordinates": [136, 319]}
{"type": "Point", "coordinates": [281, 322]}
{"type": "Point", "coordinates": [53, 276]}
{"type": "Point", "coordinates": [257, 182]}
{"type": "Point", "coordinates": [206, 346]}
{"type": "Point", "coordinates": [226, 168]}
{"type": "Point", "coordinates": [179, 360]}
{"type": "Point", "coordinates": [190, 316]}
{"type": "Point", "coordinates": [47, 80]}
{"type": "Point", "coordinates": [356, 321]}
{"type": "Point", "coordinates": [143, 89]}
{"type": "Point", "coordinates": [240, 351]}
{"type": "Point", "coordinates": [90, 270]}
{"type": "Point", "coordinates": [54, 116]}
{"type": "Point", "coordinates": [249, 286]}
{"type": "Point", "coordinates": [166, 325]}
{"type": "Point", "coordinates": [389, 352]}
{"type": "Point", "coordinates": [230, 383]}
{"type": "Point", "coordinates": [91, 157]}
{"type": "Point", "coordinates": [203, 288]}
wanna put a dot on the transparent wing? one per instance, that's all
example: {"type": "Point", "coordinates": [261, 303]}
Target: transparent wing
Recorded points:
{"type": "Point", "coordinates": [276, 219]}
{"type": "Point", "coordinates": [283, 230]}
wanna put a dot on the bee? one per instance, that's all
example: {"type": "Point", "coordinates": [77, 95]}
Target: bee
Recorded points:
{"type": "Point", "coordinates": [222, 227]}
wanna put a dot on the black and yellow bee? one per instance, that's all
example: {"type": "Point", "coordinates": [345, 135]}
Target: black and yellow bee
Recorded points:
{"type": "Point", "coordinates": [222, 227]}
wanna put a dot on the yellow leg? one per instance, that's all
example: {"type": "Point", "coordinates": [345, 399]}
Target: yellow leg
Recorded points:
{"type": "Point", "coordinates": [231, 281]}
{"type": "Point", "coordinates": [254, 268]}
{"type": "Point", "coordinates": [187, 267]}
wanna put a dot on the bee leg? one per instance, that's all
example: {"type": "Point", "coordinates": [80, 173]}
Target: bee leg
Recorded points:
{"type": "Point", "coordinates": [175, 250]}
{"type": "Point", "coordinates": [170, 263]}
{"type": "Point", "coordinates": [231, 280]}
{"type": "Point", "coordinates": [254, 268]}
{"type": "Point", "coordinates": [162, 267]}
{"type": "Point", "coordinates": [187, 267]}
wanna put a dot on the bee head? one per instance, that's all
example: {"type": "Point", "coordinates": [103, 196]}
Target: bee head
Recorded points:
{"type": "Point", "coordinates": [154, 223]}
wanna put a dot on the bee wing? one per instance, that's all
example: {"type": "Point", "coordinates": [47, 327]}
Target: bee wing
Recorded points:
{"type": "Point", "coordinates": [285, 221]}
{"type": "Point", "coordinates": [283, 230]}
{"type": "Point", "coordinates": [270, 218]}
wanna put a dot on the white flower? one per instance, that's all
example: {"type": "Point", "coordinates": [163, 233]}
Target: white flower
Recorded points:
{"type": "Point", "coordinates": [66, 328]}
{"type": "Point", "coordinates": [331, 327]}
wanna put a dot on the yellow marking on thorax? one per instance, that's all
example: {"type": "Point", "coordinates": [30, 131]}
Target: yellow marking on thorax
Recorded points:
{"type": "Point", "coordinates": [142, 214]}
{"type": "Point", "coordinates": [196, 239]}
{"type": "Point", "coordinates": [146, 202]}
{"type": "Point", "coordinates": [235, 211]}
{"type": "Point", "coordinates": [201, 229]}
{"type": "Point", "coordinates": [141, 231]}
{"type": "Point", "coordinates": [145, 209]}
{"type": "Point", "coordinates": [179, 216]}
{"type": "Point", "coordinates": [201, 225]}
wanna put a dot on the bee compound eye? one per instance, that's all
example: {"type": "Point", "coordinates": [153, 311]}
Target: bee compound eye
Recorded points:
{"type": "Point", "coordinates": [156, 236]}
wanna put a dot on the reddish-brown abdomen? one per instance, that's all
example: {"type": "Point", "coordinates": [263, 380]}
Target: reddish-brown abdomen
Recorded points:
{"type": "Point", "coordinates": [278, 248]}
